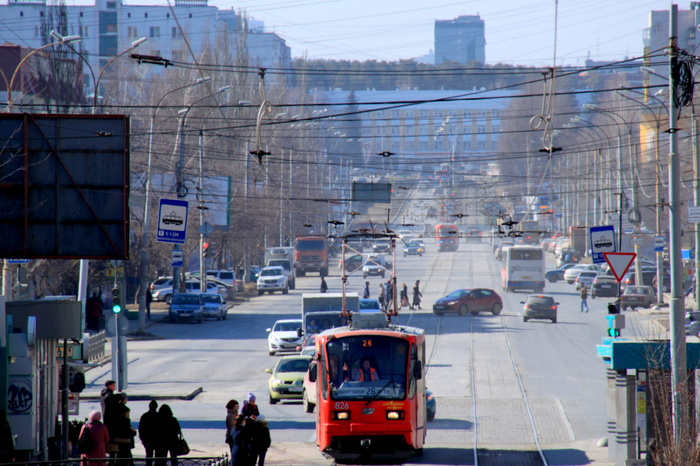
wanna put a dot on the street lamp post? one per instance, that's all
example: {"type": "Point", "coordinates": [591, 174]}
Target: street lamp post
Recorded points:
{"type": "Point", "coordinates": [659, 254]}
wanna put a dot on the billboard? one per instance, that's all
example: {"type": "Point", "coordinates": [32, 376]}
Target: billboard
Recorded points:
{"type": "Point", "coordinates": [371, 192]}
{"type": "Point", "coordinates": [64, 186]}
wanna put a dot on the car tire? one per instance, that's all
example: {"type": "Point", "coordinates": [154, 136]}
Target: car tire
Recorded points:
{"type": "Point", "coordinates": [496, 309]}
{"type": "Point", "coordinates": [168, 298]}
{"type": "Point", "coordinates": [420, 255]}
{"type": "Point", "coordinates": [554, 320]}
{"type": "Point", "coordinates": [350, 268]}
{"type": "Point", "coordinates": [260, 292]}
{"type": "Point", "coordinates": [364, 275]}
{"type": "Point", "coordinates": [462, 310]}
{"type": "Point", "coordinates": [524, 319]}
{"type": "Point", "coordinates": [552, 279]}
{"type": "Point", "coordinates": [273, 401]}
{"type": "Point", "coordinates": [430, 417]}
{"type": "Point", "coordinates": [439, 314]}
{"type": "Point", "coordinates": [308, 406]}
{"type": "Point", "coordinates": [272, 353]}
{"type": "Point", "coordinates": [201, 319]}
{"type": "Point", "coordinates": [171, 320]}
{"type": "Point", "coordinates": [285, 291]}
{"type": "Point", "coordinates": [224, 316]}
{"type": "Point", "coordinates": [569, 282]}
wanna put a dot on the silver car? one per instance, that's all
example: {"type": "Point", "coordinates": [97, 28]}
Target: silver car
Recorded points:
{"type": "Point", "coordinates": [214, 305]}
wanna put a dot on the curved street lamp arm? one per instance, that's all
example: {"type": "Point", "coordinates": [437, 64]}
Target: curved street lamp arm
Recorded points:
{"type": "Point", "coordinates": [134, 44]}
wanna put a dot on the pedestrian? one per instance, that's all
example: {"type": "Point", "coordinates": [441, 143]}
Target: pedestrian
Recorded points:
{"type": "Point", "coordinates": [231, 413]}
{"type": "Point", "coordinates": [324, 285]}
{"type": "Point", "coordinates": [381, 296]}
{"type": "Point", "coordinates": [148, 428]}
{"type": "Point", "coordinates": [124, 437]}
{"type": "Point", "coordinates": [110, 402]}
{"type": "Point", "coordinates": [167, 438]}
{"type": "Point", "coordinates": [7, 442]}
{"type": "Point", "coordinates": [416, 295]}
{"type": "Point", "coordinates": [250, 409]}
{"type": "Point", "coordinates": [404, 295]}
{"type": "Point", "coordinates": [240, 452]}
{"type": "Point", "coordinates": [149, 298]}
{"type": "Point", "coordinates": [259, 441]}
{"type": "Point", "coordinates": [365, 291]}
{"type": "Point", "coordinates": [99, 437]}
{"type": "Point", "coordinates": [584, 297]}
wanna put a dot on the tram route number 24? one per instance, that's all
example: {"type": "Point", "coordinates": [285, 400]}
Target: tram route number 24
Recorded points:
{"type": "Point", "coordinates": [342, 405]}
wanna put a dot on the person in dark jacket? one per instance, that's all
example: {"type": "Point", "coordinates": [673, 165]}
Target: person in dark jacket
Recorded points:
{"type": "Point", "coordinates": [109, 401]}
{"type": "Point", "coordinates": [324, 285]}
{"type": "Point", "coordinates": [365, 291]}
{"type": "Point", "coordinates": [148, 430]}
{"type": "Point", "coordinates": [417, 295]}
{"type": "Point", "coordinates": [168, 434]}
{"type": "Point", "coordinates": [250, 409]}
{"type": "Point", "coordinates": [259, 441]}
{"type": "Point", "coordinates": [124, 436]}
{"type": "Point", "coordinates": [7, 442]}
{"type": "Point", "coordinates": [240, 451]}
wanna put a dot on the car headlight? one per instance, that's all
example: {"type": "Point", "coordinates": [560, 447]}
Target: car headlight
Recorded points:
{"type": "Point", "coordinates": [451, 302]}
{"type": "Point", "coordinates": [276, 382]}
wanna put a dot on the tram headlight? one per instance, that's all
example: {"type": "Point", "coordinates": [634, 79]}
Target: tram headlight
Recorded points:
{"type": "Point", "coordinates": [340, 415]}
{"type": "Point", "coordinates": [395, 415]}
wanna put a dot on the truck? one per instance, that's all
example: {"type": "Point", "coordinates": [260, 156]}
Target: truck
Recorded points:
{"type": "Point", "coordinates": [311, 255]}
{"type": "Point", "coordinates": [321, 311]}
{"type": "Point", "coordinates": [282, 257]}
{"type": "Point", "coordinates": [577, 239]}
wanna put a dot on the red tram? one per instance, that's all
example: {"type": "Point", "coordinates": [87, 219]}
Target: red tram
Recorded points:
{"type": "Point", "coordinates": [446, 237]}
{"type": "Point", "coordinates": [370, 390]}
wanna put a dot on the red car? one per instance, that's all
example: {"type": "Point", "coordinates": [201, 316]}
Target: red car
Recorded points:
{"type": "Point", "coordinates": [471, 300]}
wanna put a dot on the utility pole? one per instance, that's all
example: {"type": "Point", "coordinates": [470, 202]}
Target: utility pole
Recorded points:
{"type": "Point", "coordinates": [677, 304]}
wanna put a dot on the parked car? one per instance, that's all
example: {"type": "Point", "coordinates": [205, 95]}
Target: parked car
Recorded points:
{"type": "Point", "coordinates": [636, 296]}
{"type": "Point", "coordinates": [165, 290]}
{"type": "Point", "coordinates": [369, 305]}
{"type": "Point", "coordinates": [353, 262]}
{"type": "Point", "coordinates": [572, 272]}
{"type": "Point", "coordinates": [284, 336]}
{"type": "Point", "coordinates": [226, 290]}
{"type": "Point", "coordinates": [555, 275]}
{"type": "Point", "coordinates": [604, 286]}
{"type": "Point", "coordinates": [413, 248]}
{"type": "Point", "coordinates": [226, 276]}
{"type": "Point", "coordinates": [273, 279]}
{"type": "Point", "coordinates": [287, 378]}
{"type": "Point", "coordinates": [585, 278]}
{"type": "Point", "coordinates": [472, 300]}
{"type": "Point", "coordinates": [186, 306]}
{"type": "Point", "coordinates": [648, 276]}
{"type": "Point", "coordinates": [214, 305]}
{"type": "Point", "coordinates": [540, 306]}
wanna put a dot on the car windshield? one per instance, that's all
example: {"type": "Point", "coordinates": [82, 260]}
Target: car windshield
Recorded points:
{"type": "Point", "coordinates": [294, 365]}
{"type": "Point", "coordinates": [369, 304]}
{"type": "Point", "coordinates": [287, 326]}
{"type": "Point", "coordinates": [186, 299]}
{"type": "Point", "coordinates": [457, 294]}
{"type": "Point", "coordinates": [414, 244]}
{"type": "Point", "coordinates": [587, 274]}
{"type": "Point", "coordinates": [540, 301]}
{"type": "Point", "coordinates": [271, 272]}
{"type": "Point", "coordinates": [211, 298]}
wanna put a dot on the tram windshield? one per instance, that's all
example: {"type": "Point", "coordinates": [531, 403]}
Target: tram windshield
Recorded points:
{"type": "Point", "coordinates": [447, 231]}
{"type": "Point", "coordinates": [367, 367]}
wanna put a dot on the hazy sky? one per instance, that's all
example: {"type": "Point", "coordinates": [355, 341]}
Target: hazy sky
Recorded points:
{"type": "Point", "coordinates": [517, 31]}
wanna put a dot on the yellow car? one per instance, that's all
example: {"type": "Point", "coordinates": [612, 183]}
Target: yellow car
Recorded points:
{"type": "Point", "coordinates": [287, 378]}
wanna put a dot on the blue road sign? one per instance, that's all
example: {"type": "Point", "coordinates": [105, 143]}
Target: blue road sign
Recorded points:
{"type": "Point", "coordinates": [172, 221]}
{"type": "Point", "coordinates": [602, 240]}
{"type": "Point", "coordinates": [18, 261]}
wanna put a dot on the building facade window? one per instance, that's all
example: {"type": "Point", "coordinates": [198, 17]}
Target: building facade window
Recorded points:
{"type": "Point", "coordinates": [395, 131]}
{"type": "Point", "coordinates": [111, 5]}
{"type": "Point", "coordinates": [467, 145]}
{"type": "Point", "coordinates": [423, 114]}
{"type": "Point", "coordinates": [495, 129]}
{"type": "Point", "coordinates": [482, 145]}
{"type": "Point", "coordinates": [395, 114]}
{"type": "Point", "coordinates": [438, 145]}
{"type": "Point", "coordinates": [409, 114]}
{"type": "Point", "coordinates": [467, 114]}
{"type": "Point", "coordinates": [481, 129]}
{"type": "Point", "coordinates": [423, 145]}
{"type": "Point", "coordinates": [155, 31]}
{"type": "Point", "coordinates": [132, 31]}
{"type": "Point", "coordinates": [395, 147]}
{"type": "Point", "coordinates": [174, 32]}
{"type": "Point", "coordinates": [423, 130]}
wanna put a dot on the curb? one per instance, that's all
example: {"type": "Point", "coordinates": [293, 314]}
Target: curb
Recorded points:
{"type": "Point", "coordinates": [142, 397]}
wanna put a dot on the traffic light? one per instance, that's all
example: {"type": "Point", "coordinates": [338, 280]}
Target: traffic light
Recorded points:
{"type": "Point", "coordinates": [616, 322]}
{"type": "Point", "coordinates": [116, 301]}
{"type": "Point", "coordinates": [205, 249]}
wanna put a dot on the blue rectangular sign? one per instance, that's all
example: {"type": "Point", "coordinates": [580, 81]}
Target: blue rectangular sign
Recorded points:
{"type": "Point", "coordinates": [172, 221]}
{"type": "Point", "coordinates": [602, 240]}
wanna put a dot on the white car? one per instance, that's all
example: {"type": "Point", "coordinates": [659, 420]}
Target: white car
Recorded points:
{"type": "Point", "coordinates": [164, 292]}
{"type": "Point", "coordinates": [572, 272]}
{"type": "Point", "coordinates": [273, 279]}
{"type": "Point", "coordinates": [585, 278]}
{"type": "Point", "coordinates": [284, 336]}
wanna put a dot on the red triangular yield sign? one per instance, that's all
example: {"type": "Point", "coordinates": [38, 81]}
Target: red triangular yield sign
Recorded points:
{"type": "Point", "coordinates": [619, 262]}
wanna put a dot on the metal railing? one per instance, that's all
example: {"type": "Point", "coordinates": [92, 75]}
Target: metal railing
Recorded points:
{"type": "Point", "coordinates": [140, 461]}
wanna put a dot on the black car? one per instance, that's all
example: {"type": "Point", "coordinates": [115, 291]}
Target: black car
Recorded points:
{"type": "Point", "coordinates": [648, 276]}
{"type": "Point", "coordinates": [540, 306]}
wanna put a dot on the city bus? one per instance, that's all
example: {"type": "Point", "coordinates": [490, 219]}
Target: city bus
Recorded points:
{"type": "Point", "coordinates": [523, 269]}
{"type": "Point", "coordinates": [370, 390]}
{"type": "Point", "coordinates": [446, 237]}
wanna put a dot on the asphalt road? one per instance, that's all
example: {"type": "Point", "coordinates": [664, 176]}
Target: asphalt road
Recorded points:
{"type": "Point", "coordinates": [480, 358]}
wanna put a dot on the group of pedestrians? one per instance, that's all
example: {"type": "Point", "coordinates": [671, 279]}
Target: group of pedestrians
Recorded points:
{"type": "Point", "coordinates": [110, 431]}
{"type": "Point", "coordinates": [386, 295]}
{"type": "Point", "coordinates": [247, 433]}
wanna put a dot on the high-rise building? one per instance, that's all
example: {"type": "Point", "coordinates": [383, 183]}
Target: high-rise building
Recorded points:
{"type": "Point", "coordinates": [109, 27]}
{"type": "Point", "coordinates": [460, 40]}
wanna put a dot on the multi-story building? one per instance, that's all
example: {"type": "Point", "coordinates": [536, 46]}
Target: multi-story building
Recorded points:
{"type": "Point", "coordinates": [460, 40]}
{"type": "Point", "coordinates": [441, 127]}
{"type": "Point", "coordinates": [109, 27]}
